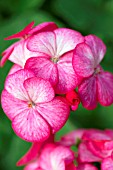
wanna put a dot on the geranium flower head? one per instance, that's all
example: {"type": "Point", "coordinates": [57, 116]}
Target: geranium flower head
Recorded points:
{"type": "Point", "coordinates": [55, 61]}
{"type": "Point", "coordinates": [97, 85]}
{"type": "Point", "coordinates": [30, 103]}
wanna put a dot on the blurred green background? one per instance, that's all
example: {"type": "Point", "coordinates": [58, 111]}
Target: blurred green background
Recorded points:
{"type": "Point", "coordinates": [88, 17]}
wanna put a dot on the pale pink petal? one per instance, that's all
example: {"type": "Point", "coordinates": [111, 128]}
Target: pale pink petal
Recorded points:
{"type": "Point", "coordinates": [67, 77]}
{"type": "Point", "coordinates": [33, 166]}
{"type": "Point", "coordinates": [21, 33]}
{"type": "Point", "coordinates": [66, 40]}
{"type": "Point", "coordinates": [14, 84]}
{"type": "Point", "coordinates": [30, 126]}
{"type": "Point", "coordinates": [43, 68]}
{"type": "Point", "coordinates": [11, 105]}
{"type": "Point", "coordinates": [20, 54]}
{"type": "Point", "coordinates": [39, 90]}
{"type": "Point", "coordinates": [14, 69]}
{"type": "Point", "coordinates": [31, 154]}
{"type": "Point", "coordinates": [85, 155]}
{"type": "Point", "coordinates": [97, 46]}
{"type": "Point", "coordinates": [88, 93]}
{"type": "Point", "coordinates": [72, 137]}
{"type": "Point", "coordinates": [86, 167]}
{"type": "Point", "coordinates": [43, 42]}
{"type": "Point", "coordinates": [83, 60]}
{"type": "Point", "coordinates": [107, 164]}
{"type": "Point", "coordinates": [43, 27]}
{"type": "Point", "coordinates": [55, 112]}
{"type": "Point", "coordinates": [45, 157]}
{"type": "Point", "coordinates": [105, 88]}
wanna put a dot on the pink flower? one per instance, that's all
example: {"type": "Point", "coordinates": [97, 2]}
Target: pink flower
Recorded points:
{"type": "Point", "coordinates": [107, 164]}
{"type": "Point", "coordinates": [97, 85]}
{"type": "Point", "coordinates": [55, 62]}
{"type": "Point", "coordinates": [31, 105]}
{"type": "Point", "coordinates": [86, 167]}
{"type": "Point", "coordinates": [53, 157]}
{"type": "Point", "coordinates": [21, 53]}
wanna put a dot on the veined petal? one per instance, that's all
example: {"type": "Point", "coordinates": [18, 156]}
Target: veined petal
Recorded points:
{"type": "Point", "coordinates": [83, 60]}
{"type": "Point", "coordinates": [97, 46]}
{"type": "Point", "coordinates": [66, 40]}
{"type": "Point", "coordinates": [21, 33]}
{"type": "Point", "coordinates": [105, 88]}
{"type": "Point", "coordinates": [20, 53]}
{"type": "Point", "coordinates": [107, 164]}
{"type": "Point", "coordinates": [43, 27]}
{"type": "Point", "coordinates": [88, 93]}
{"type": "Point", "coordinates": [43, 68]}
{"type": "Point", "coordinates": [55, 112]}
{"type": "Point", "coordinates": [67, 78]}
{"type": "Point", "coordinates": [39, 90]}
{"type": "Point", "coordinates": [43, 42]}
{"type": "Point", "coordinates": [30, 126]}
{"type": "Point", "coordinates": [14, 69]}
{"type": "Point", "coordinates": [11, 105]}
{"type": "Point", "coordinates": [14, 84]}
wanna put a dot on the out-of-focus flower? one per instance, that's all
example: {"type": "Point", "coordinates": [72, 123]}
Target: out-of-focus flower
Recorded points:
{"type": "Point", "coordinates": [97, 85]}
{"type": "Point", "coordinates": [31, 105]}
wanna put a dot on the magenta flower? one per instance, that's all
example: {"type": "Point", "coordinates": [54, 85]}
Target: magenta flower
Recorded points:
{"type": "Point", "coordinates": [21, 53]}
{"type": "Point", "coordinates": [97, 85]}
{"type": "Point", "coordinates": [31, 105]}
{"type": "Point", "coordinates": [55, 62]}
{"type": "Point", "coordinates": [86, 167]}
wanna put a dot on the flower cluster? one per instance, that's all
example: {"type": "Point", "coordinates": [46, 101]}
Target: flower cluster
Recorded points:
{"type": "Point", "coordinates": [54, 70]}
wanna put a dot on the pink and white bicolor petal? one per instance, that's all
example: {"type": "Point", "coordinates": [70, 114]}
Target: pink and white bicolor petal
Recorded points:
{"type": "Point", "coordinates": [67, 78]}
{"type": "Point", "coordinates": [86, 167]}
{"type": "Point", "coordinates": [107, 164]}
{"type": "Point", "coordinates": [83, 60]}
{"type": "Point", "coordinates": [14, 84]}
{"type": "Point", "coordinates": [30, 126]}
{"type": "Point", "coordinates": [66, 40]}
{"type": "Point", "coordinates": [44, 68]}
{"type": "Point", "coordinates": [97, 46]}
{"type": "Point", "coordinates": [55, 112]}
{"type": "Point", "coordinates": [33, 166]}
{"type": "Point", "coordinates": [39, 90]}
{"type": "Point", "coordinates": [14, 69]}
{"type": "Point", "coordinates": [88, 93]}
{"type": "Point", "coordinates": [43, 27]}
{"type": "Point", "coordinates": [105, 88]}
{"type": "Point", "coordinates": [12, 106]}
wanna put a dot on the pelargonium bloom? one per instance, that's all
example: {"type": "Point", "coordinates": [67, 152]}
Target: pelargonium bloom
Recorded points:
{"type": "Point", "coordinates": [31, 105]}
{"type": "Point", "coordinates": [17, 52]}
{"type": "Point", "coordinates": [97, 85]}
{"type": "Point", "coordinates": [55, 62]}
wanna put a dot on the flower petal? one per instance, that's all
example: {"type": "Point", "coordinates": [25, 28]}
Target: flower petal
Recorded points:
{"type": "Point", "coordinates": [105, 88]}
{"type": "Point", "coordinates": [39, 90]}
{"type": "Point", "coordinates": [43, 68]}
{"type": "Point", "coordinates": [33, 166]}
{"type": "Point", "coordinates": [97, 46]}
{"type": "Point", "coordinates": [107, 164]}
{"type": "Point", "coordinates": [83, 60]}
{"type": "Point", "coordinates": [14, 69]}
{"type": "Point", "coordinates": [11, 105]}
{"type": "Point", "coordinates": [55, 112]}
{"type": "Point", "coordinates": [30, 126]}
{"type": "Point", "coordinates": [86, 167]}
{"type": "Point", "coordinates": [21, 33]}
{"type": "Point", "coordinates": [87, 93]}
{"type": "Point", "coordinates": [66, 40]}
{"type": "Point", "coordinates": [67, 77]}
{"type": "Point", "coordinates": [14, 84]}
{"type": "Point", "coordinates": [43, 27]}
